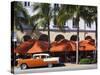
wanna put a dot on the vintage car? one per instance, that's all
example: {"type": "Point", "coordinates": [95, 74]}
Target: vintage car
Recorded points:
{"type": "Point", "coordinates": [37, 60]}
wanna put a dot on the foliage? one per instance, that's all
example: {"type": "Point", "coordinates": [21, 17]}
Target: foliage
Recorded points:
{"type": "Point", "coordinates": [20, 15]}
{"type": "Point", "coordinates": [87, 61]}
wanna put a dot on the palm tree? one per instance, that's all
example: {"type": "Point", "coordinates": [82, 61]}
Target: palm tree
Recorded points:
{"type": "Point", "coordinates": [93, 18]}
{"type": "Point", "coordinates": [44, 14]}
{"type": "Point", "coordinates": [76, 16]}
{"type": "Point", "coordinates": [65, 13]}
{"type": "Point", "coordinates": [20, 15]}
{"type": "Point", "coordinates": [89, 14]}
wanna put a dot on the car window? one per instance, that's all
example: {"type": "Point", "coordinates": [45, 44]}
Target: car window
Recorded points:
{"type": "Point", "coordinates": [43, 56]}
{"type": "Point", "coordinates": [36, 57]}
{"type": "Point", "coordinates": [48, 56]}
{"type": "Point", "coordinates": [40, 56]}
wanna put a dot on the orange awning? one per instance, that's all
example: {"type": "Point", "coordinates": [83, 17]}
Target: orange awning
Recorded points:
{"type": "Point", "coordinates": [62, 46]}
{"type": "Point", "coordinates": [24, 47]}
{"type": "Point", "coordinates": [38, 47]}
{"type": "Point", "coordinates": [85, 46]}
{"type": "Point", "coordinates": [71, 46]}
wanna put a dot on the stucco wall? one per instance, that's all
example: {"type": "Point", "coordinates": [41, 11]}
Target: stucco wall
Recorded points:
{"type": "Point", "coordinates": [67, 35]}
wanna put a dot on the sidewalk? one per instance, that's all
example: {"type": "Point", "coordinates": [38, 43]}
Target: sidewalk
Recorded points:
{"type": "Point", "coordinates": [67, 67]}
{"type": "Point", "coordinates": [81, 66]}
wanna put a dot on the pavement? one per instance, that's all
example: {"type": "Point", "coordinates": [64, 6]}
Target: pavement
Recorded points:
{"type": "Point", "coordinates": [67, 67]}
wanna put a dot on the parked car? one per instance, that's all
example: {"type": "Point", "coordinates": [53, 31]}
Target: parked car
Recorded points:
{"type": "Point", "coordinates": [38, 60]}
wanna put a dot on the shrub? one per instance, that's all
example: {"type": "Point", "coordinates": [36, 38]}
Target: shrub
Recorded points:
{"type": "Point", "coordinates": [85, 61]}
{"type": "Point", "coordinates": [94, 61]}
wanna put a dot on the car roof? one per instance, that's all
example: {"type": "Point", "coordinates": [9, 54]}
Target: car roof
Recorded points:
{"type": "Point", "coordinates": [41, 54]}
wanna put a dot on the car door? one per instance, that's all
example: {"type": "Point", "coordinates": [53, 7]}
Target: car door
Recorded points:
{"type": "Point", "coordinates": [42, 62]}
{"type": "Point", "coordinates": [37, 61]}
{"type": "Point", "coordinates": [33, 62]}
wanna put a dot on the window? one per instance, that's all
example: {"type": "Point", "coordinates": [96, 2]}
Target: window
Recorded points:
{"type": "Point", "coordinates": [74, 23]}
{"type": "Point", "coordinates": [27, 4]}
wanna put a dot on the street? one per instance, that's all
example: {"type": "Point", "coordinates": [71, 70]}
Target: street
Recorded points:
{"type": "Point", "coordinates": [67, 67]}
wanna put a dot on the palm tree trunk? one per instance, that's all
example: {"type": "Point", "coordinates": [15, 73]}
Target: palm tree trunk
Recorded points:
{"type": "Point", "coordinates": [85, 30]}
{"type": "Point", "coordinates": [49, 35]}
{"type": "Point", "coordinates": [33, 29]}
{"type": "Point", "coordinates": [77, 46]}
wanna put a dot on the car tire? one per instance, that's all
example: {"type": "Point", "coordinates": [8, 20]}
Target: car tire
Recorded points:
{"type": "Point", "coordinates": [23, 66]}
{"type": "Point", "coordinates": [50, 65]}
